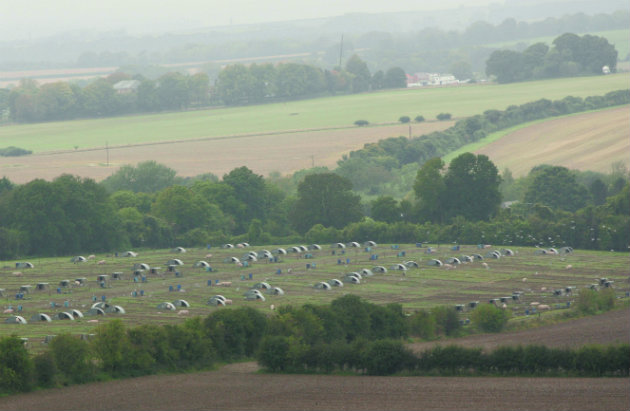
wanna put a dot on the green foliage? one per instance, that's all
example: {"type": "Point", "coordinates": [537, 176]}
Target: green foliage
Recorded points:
{"type": "Point", "coordinates": [387, 357]}
{"type": "Point", "coordinates": [361, 123]}
{"type": "Point", "coordinates": [111, 346]}
{"type": "Point", "coordinates": [325, 199]}
{"type": "Point", "coordinates": [146, 177]}
{"type": "Point", "coordinates": [443, 116]}
{"type": "Point", "coordinates": [404, 119]}
{"type": "Point", "coordinates": [14, 152]}
{"type": "Point", "coordinates": [556, 187]}
{"type": "Point", "coordinates": [446, 320]}
{"type": "Point", "coordinates": [490, 318]}
{"type": "Point", "coordinates": [419, 119]}
{"type": "Point", "coordinates": [422, 324]}
{"type": "Point", "coordinates": [45, 370]}
{"type": "Point", "coordinates": [73, 359]}
{"type": "Point", "coordinates": [16, 366]}
{"type": "Point", "coordinates": [273, 353]}
{"type": "Point", "coordinates": [571, 55]}
{"type": "Point", "coordinates": [592, 301]}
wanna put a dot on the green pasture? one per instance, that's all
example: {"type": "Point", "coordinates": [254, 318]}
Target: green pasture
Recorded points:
{"type": "Point", "coordinates": [618, 38]}
{"type": "Point", "coordinates": [329, 112]}
{"type": "Point", "coordinates": [423, 287]}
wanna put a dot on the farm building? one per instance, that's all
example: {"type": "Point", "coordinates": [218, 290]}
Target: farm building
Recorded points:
{"type": "Point", "coordinates": [354, 244]}
{"type": "Point", "coordinates": [366, 272]}
{"type": "Point", "coordinates": [453, 260]}
{"type": "Point", "coordinates": [115, 309]}
{"type": "Point", "coordinates": [314, 247]}
{"type": "Point", "coordinates": [166, 306]}
{"type": "Point", "coordinates": [339, 245]}
{"type": "Point", "coordinates": [141, 266]}
{"type": "Point", "coordinates": [370, 243]}
{"type": "Point", "coordinates": [78, 259]}
{"type": "Point", "coordinates": [335, 283]}
{"type": "Point", "coordinates": [261, 286]}
{"type": "Point", "coordinates": [76, 313]}
{"type": "Point", "coordinates": [399, 267]}
{"type": "Point", "coordinates": [24, 265]}
{"type": "Point", "coordinates": [42, 286]}
{"type": "Point", "coordinates": [181, 303]}
{"type": "Point", "coordinates": [477, 257]}
{"type": "Point", "coordinates": [202, 264]}
{"type": "Point", "coordinates": [242, 245]}
{"type": "Point", "coordinates": [228, 245]}
{"type": "Point", "coordinates": [129, 254]}
{"type": "Point", "coordinates": [276, 291]}
{"type": "Point", "coordinates": [175, 261]}
{"type": "Point", "coordinates": [41, 317]}
{"type": "Point", "coordinates": [411, 264]}
{"type": "Point", "coordinates": [64, 315]}
{"type": "Point", "coordinates": [178, 250]}
{"type": "Point", "coordinates": [279, 251]}
{"type": "Point", "coordinates": [352, 279]}
{"type": "Point", "coordinates": [15, 319]}
{"type": "Point", "coordinates": [95, 311]}
{"type": "Point", "coordinates": [322, 286]}
{"type": "Point", "coordinates": [217, 300]}
{"type": "Point", "coordinates": [379, 269]}
{"type": "Point", "coordinates": [435, 262]}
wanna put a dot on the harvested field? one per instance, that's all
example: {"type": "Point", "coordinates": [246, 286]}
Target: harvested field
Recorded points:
{"type": "Point", "coordinates": [591, 141]}
{"type": "Point", "coordinates": [262, 153]}
{"type": "Point", "coordinates": [226, 390]}
{"type": "Point", "coordinates": [612, 327]}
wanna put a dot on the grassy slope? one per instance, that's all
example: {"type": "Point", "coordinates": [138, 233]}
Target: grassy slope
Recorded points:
{"type": "Point", "coordinates": [423, 287]}
{"type": "Point", "coordinates": [334, 112]}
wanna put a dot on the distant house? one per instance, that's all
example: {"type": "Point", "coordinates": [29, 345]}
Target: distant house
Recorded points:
{"type": "Point", "coordinates": [430, 79]}
{"type": "Point", "coordinates": [126, 86]}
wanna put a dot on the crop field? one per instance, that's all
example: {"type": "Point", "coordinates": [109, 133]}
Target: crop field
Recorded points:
{"type": "Point", "coordinates": [587, 141]}
{"type": "Point", "coordinates": [535, 276]}
{"type": "Point", "coordinates": [314, 114]}
{"type": "Point", "coordinates": [262, 153]}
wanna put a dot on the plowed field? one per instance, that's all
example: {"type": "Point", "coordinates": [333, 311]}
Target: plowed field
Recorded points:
{"type": "Point", "coordinates": [239, 387]}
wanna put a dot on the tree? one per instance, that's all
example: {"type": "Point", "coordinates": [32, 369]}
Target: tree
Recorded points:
{"type": "Point", "coordinates": [99, 99]}
{"type": "Point", "coordinates": [471, 188]}
{"type": "Point", "coordinates": [430, 189]}
{"type": "Point", "coordinates": [505, 65]}
{"type": "Point", "coordinates": [556, 187]}
{"type": "Point", "coordinates": [395, 77]}
{"type": "Point", "coordinates": [325, 199]}
{"type": "Point", "coordinates": [16, 366]}
{"type": "Point", "coordinates": [172, 91]}
{"type": "Point", "coordinates": [359, 69]}
{"type": "Point", "coordinates": [378, 80]}
{"type": "Point", "coordinates": [249, 188]}
{"type": "Point", "coordinates": [234, 85]}
{"type": "Point", "coordinates": [490, 318]}
{"type": "Point", "coordinates": [147, 177]}
{"type": "Point", "coordinates": [462, 70]}
{"type": "Point", "coordinates": [385, 208]}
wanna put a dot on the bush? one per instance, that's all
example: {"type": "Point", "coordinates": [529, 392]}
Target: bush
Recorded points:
{"type": "Point", "coordinates": [490, 318]}
{"type": "Point", "coordinates": [386, 357]}
{"type": "Point", "coordinates": [591, 301]}
{"type": "Point", "coordinates": [446, 320]}
{"type": "Point", "coordinates": [273, 353]}
{"type": "Point", "coordinates": [45, 370]}
{"type": "Point", "coordinates": [361, 123]}
{"type": "Point", "coordinates": [16, 366]}
{"type": "Point", "coordinates": [14, 152]}
{"type": "Point", "coordinates": [422, 324]}
{"type": "Point", "coordinates": [404, 119]}
{"type": "Point", "coordinates": [444, 116]}
{"type": "Point", "coordinates": [419, 119]}
{"type": "Point", "coordinates": [72, 356]}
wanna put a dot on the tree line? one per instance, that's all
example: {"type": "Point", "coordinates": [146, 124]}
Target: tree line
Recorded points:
{"type": "Point", "coordinates": [148, 205]}
{"type": "Point", "coordinates": [570, 56]}
{"type": "Point", "coordinates": [349, 335]}
{"type": "Point", "coordinates": [236, 84]}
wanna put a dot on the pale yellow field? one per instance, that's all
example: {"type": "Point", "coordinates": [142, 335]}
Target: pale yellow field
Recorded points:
{"type": "Point", "coordinates": [590, 141]}
{"type": "Point", "coordinates": [262, 153]}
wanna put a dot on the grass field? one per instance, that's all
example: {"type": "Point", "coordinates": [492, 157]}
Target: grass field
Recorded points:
{"type": "Point", "coordinates": [423, 287]}
{"type": "Point", "coordinates": [322, 113]}
{"type": "Point", "coordinates": [583, 141]}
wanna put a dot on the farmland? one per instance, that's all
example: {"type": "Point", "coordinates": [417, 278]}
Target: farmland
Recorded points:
{"type": "Point", "coordinates": [322, 113]}
{"type": "Point", "coordinates": [586, 141]}
{"type": "Point", "coordinates": [537, 276]}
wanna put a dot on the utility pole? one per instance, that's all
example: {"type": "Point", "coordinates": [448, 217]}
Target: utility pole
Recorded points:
{"type": "Point", "coordinates": [107, 151]}
{"type": "Point", "coordinates": [340, 51]}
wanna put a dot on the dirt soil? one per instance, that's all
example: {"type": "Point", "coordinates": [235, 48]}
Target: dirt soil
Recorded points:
{"type": "Point", "coordinates": [240, 387]}
{"type": "Point", "coordinates": [263, 153]}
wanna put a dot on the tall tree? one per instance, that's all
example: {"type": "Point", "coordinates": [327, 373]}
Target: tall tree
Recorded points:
{"type": "Point", "coordinates": [325, 199]}
{"type": "Point", "coordinates": [359, 69]}
{"type": "Point", "coordinates": [147, 177]}
{"type": "Point", "coordinates": [556, 187]}
{"type": "Point", "coordinates": [430, 189]}
{"type": "Point", "coordinates": [472, 188]}
{"type": "Point", "coordinates": [249, 188]}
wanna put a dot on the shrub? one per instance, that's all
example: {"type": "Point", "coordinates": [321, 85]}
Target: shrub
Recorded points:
{"type": "Point", "coordinates": [444, 116]}
{"type": "Point", "coordinates": [422, 324]}
{"type": "Point", "coordinates": [16, 366]}
{"type": "Point", "coordinates": [273, 353]}
{"type": "Point", "coordinates": [404, 119]}
{"type": "Point", "coordinates": [591, 301]}
{"type": "Point", "coordinates": [419, 119]}
{"type": "Point", "coordinates": [361, 123]}
{"type": "Point", "coordinates": [45, 370]}
{"type": "Point", "coordinates": [490, 318]}
{"type": "Point", "coordinates": [14, 152]}
{"type": "Point", "coordinates": [73, 360]}
{"type": "Point", "coordinates": [446, 320]}
{"type": "Point", "coordinates": [386, 357]}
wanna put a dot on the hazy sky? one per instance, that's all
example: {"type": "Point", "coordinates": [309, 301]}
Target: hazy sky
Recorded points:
{"type": "Point", "coordinates": [36, 18]}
